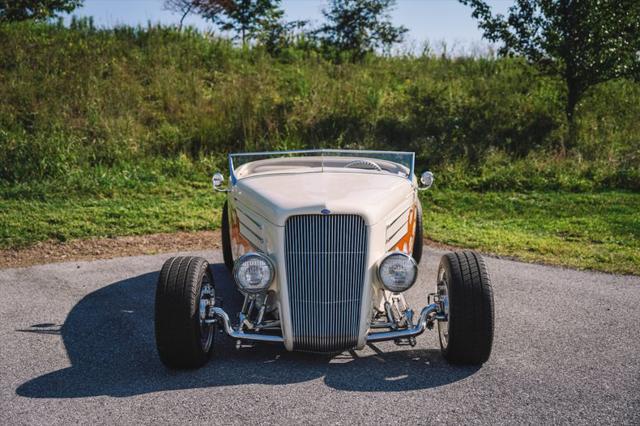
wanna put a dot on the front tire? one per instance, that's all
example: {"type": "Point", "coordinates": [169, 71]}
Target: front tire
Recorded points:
{"type": "Point", "coordinates": [184, 290]}
{"type": "Point", "coordinates": [465, 291]}
{"type": "Point", "coordinates": [227, 254]}
{"type": "Point", "coordinates": [418, 241]}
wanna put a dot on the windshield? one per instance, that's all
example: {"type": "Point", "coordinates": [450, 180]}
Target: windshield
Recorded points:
{"type": "Point", "coordinates": [248, 164]}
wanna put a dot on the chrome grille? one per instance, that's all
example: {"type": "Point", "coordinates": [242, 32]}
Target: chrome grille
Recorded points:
{"type": "Point", "coordinates": [325, 262]}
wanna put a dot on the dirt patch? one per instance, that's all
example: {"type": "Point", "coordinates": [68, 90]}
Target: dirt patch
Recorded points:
{"type": "Point", "coordinates": [435, 244]}
{"type": "Point", "coordinates": [107, 248]}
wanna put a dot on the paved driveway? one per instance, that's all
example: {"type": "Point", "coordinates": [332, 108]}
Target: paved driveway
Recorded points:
{"type": "Point", "coordinates": [77, 345]}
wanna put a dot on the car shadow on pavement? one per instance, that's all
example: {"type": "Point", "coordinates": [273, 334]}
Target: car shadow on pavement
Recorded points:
{"type": "Point", "coordinates": [109, 339]}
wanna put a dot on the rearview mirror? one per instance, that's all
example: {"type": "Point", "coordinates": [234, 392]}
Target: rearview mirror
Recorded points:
{"type": "Point", "coordinates": [426, 180]}
{"type": "Point", "coordinates": [217, 180]}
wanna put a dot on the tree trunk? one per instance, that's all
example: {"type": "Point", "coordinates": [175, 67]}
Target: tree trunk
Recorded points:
{"type": "Point", "coordinates": [184, 15]}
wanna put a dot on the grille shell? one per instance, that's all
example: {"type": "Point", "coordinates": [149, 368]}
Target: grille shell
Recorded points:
{"type": "Point", "coordinates": [325, 259]}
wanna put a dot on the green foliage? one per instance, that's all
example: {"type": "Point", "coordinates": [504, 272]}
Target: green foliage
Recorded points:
{"type": "Point", "coordinates": [358, 27]}
{"type": "Point", "coordinates": [248, 19]}
{"type": "Point", "coordinates": [598, 231]}
{"type": "Point", "coordinates": [81, 101]}
{"type": "Point", "coordinates": [586, 42]}
{"type": "Point", "coordinates": [21, 10]}
{"type": "Point", "coordinates": [125, 126]}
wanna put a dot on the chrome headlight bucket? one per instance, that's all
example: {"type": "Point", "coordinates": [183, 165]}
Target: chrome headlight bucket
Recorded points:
{"type": "Point", "coordinates": [397, 271]}
{"type": "Point", "coordinates": [253, 273]}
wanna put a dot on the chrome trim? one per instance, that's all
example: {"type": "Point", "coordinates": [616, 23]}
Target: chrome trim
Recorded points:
{"type": "Point", "coordinates": [234, 179]}
{"type": "Point", "coordinates": [216, 181]}
{"type": "Point", "coordinates": [405, 211]}
{"type": "Point", "coordinates": [248, 216]}
{"type": "Point", "coordinates": [250, 235]}
{"type": "Point", "coordinates": [426, 180]}
{"type": "Point", "coordinates": [311, 151]}
{"type": "Point", "coordinates": [325, 262]}
{"type": "Point", "coordinates": [207, 298]}
{"type": "Point", "coordinates": [250, 227]}
{"type": "Point", "coordinates": [221, 315]}
{"type": "Point", "coordinates": [442, 287]}
{"type": "Point", "coordinates": [400, 229]}
{"type": "Point", "coordinates": [426, 319]}
{"type": "Point", "coordinates": [364, 162]}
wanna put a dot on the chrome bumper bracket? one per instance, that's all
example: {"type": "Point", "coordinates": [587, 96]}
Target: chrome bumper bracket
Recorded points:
{"type": "Point", "coordinates": [425, 321]}
{"type": "Point", "coordinates": [428, 316]}
{"type": "Point", "coordinates": [221, 317]}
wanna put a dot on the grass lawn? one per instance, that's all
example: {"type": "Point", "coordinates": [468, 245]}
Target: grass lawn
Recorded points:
{"type": "Point", "coordinates": [172, 205]}
{"type": "Point", "coordinates": [598, 231]}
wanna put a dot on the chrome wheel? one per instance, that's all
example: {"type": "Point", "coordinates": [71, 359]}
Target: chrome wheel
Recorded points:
{"type": "Point", "coordinates": [207, 298]}
{"type": "Point", "coordinates": [443, 297]}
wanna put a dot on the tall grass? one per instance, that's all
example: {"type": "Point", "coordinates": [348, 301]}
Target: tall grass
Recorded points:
{"type": "Point", "coordinates": [79, 103]}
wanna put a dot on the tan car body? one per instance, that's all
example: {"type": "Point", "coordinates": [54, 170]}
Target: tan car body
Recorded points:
{"type": "Point", "coordinates": [266, 192]}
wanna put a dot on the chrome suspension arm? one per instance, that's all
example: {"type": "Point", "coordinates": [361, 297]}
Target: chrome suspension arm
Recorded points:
{"type": "Point", "coordinates": [412, 330]}
{"type": "Point", "coordinates": [222, 317]}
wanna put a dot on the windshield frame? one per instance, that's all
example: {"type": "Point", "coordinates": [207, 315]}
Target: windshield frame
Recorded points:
{"type": "Point", "coordinates": [320, 152]}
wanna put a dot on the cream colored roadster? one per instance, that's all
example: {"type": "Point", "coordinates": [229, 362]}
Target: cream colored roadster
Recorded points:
{"type": "Point", "coordinates": [322, 245]}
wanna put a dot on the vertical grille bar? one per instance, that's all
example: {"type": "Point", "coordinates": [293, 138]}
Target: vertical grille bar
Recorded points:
{"type": "Point", "coordinates": [325, 262]}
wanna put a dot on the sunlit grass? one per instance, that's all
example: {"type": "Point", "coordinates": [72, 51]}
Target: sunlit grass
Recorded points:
{"type": "Point", "coordinates": [598, 231]}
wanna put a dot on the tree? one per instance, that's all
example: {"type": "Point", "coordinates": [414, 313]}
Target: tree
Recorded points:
{"type": "Point", "coordinates": [359, 26]}
{"type": "Point", "coordinates": [21, 10]}
{"type": "Point", "coordinates": [182, 7]}
{"type": "Point", "coordinates": [246, 18]}
{"type": "Point", "coordinates": [277, 35]}
{"type": "Point", "coordinates": [586, 42]}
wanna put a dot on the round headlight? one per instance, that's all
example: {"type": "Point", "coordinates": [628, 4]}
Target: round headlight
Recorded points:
{"type": "Point", "coordinates": [397, 272]}
{"type": "Point", "coordinates": [253, 272]}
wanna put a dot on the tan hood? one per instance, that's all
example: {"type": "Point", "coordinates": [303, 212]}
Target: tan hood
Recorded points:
{"type": "Point", "coordinates": [278, 196]}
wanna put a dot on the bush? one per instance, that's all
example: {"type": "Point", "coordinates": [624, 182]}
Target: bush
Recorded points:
{"type": "Point", "coordinates": [80, 99]}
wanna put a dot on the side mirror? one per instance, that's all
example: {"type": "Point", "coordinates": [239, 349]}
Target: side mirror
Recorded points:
{"type": "Point", "coordinates": [426, 179]}
{"type": "Point", "coordinates": [217, 180]}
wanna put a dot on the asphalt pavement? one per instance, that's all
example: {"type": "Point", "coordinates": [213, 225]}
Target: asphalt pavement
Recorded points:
{"type": "Point", "coordinates": [77, 346]}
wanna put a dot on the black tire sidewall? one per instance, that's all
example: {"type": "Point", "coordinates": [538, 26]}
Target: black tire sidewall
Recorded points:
{"type": "Point", "coordinates": [177, 307]}
{"type": "Point", "coordinates": [227, 253]}
{"type": "Point", "coordinates": [419, 234]}
{"type": "Point", "coordinates": [471, 309]}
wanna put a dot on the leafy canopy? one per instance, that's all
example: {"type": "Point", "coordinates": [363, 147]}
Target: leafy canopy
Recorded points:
{"type": "Point", "coordinates": [359, 26]}
{"type": "Point", "coordinates": [21, 10]}
{"type": "Point", "coordinates": [246, 18]}
{"type": "Point", "coordinates": [585, 41]}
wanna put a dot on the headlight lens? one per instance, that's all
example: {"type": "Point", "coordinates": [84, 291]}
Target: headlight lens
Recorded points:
{"type": "Point", "coordinates": [253, 272]}
{"type": "Point", "coordinates": [398, 271]}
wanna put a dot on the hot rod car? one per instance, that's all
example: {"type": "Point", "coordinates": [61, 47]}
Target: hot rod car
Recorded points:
{"type": "Point", "coordinates": [322, 244]}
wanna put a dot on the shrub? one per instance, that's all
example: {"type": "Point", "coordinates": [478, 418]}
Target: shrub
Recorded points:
{"type": "Point", "coordinates": [80, 99]}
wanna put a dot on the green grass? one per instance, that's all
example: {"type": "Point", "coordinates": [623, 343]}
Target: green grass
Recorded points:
{"type": "Point", "coordinates": [173, 205]}
{"type": "Point", "coordinates": [116, 132]}
{"type": "Point", "coordinates": [598, 231]}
